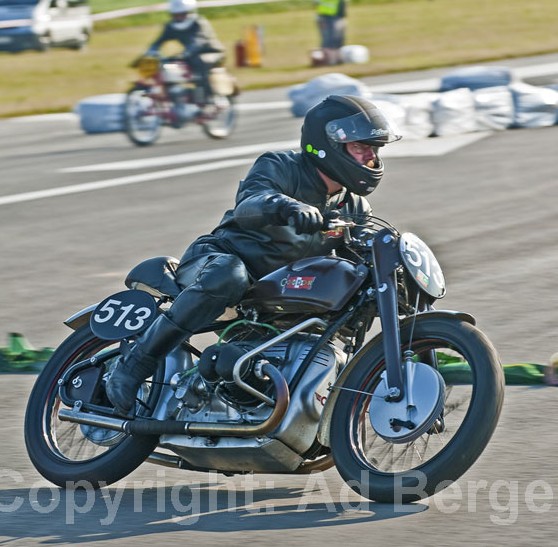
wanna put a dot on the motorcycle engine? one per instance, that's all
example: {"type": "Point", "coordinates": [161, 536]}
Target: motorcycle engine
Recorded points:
{"type": "Point", "coordinates": [206, 392]}
{"type": "Point", "coordinates": [212, 380]}
{"type": "Point", "coordinates": [216, 366]}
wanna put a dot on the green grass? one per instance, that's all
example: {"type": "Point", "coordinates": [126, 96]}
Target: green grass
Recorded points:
{"type": "Point", "coordinates": [401, 35]}
{"type": "Point", "coordinates": [99, 6]}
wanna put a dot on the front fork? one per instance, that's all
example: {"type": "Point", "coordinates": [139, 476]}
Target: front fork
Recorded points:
{"type": "Point", "coordinates": [386, 259]}
{"type": "Point", "coordinates": [399, 368]}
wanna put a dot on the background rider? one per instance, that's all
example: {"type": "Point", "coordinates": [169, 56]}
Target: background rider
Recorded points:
{"type": "Point", "coordinates": [202, 48]}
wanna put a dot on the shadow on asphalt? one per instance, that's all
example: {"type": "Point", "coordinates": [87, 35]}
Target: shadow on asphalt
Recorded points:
{"type": "Point", "coordinates": [84, 515]}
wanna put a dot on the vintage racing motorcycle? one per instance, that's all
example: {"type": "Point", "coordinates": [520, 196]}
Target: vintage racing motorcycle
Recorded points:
{"type": "Point", "coordinates": [294, 381]}
{"type": "Point", "coordinates": [167, 94]}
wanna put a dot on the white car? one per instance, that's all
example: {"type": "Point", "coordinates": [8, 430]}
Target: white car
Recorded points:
{"type": "Point", "coordinates": [39, 24]}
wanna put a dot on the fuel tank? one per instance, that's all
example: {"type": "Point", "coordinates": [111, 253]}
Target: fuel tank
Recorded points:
{"type": "Point", "coordinates": [311, 285]}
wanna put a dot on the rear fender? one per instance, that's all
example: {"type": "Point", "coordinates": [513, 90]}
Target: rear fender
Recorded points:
{"type": "Point", "coordinates": [80, 318]}
{"type": "Point", "coordinates": [325, 421]}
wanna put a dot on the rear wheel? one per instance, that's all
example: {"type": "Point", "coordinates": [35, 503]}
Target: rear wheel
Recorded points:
{"type": "Point", "coordinates": [141, 119]}
{"type": "Point", "coordinates": [387, 468]}
{"type": "Point", "coordinates": [219, 117]}
{"type": "Point", "coordinates": [65, 452]}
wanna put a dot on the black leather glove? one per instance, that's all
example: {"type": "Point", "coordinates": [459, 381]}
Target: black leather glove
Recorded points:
{"type": "Point", "coordinates": [305, 218]}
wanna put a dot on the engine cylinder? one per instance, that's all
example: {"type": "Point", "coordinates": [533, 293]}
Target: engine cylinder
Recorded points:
{"type": "Point", "coordinates": [216, 366]}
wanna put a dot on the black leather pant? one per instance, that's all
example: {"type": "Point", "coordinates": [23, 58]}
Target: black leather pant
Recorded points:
{"type": "Point", "coordinates": [202, 69]}
{"type": "Point", "coordinates": [212, 280]}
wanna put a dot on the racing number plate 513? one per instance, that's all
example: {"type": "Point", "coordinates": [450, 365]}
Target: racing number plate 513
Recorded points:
{"type": "Point", "coordinates": [123, 314]}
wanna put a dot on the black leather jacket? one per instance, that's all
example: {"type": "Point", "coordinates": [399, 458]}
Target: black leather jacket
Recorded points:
{"type": "Point", "coordinates": [197, 39]}
{"type": "Point", "coordinates": [250, 230]}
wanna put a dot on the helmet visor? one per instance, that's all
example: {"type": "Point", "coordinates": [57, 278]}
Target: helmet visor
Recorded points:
{"type": "Point", "coordinates": [370, 127]}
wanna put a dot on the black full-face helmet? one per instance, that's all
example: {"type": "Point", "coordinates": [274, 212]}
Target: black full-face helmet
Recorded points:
{"type": "Point", "coordinates": [337, 120]}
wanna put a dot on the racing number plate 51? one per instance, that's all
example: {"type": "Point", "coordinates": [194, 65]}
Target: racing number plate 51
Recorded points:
{"type": "Point", "coordinates": [123, 314]}
{"type": "Point", "coordinates": [422, 265]}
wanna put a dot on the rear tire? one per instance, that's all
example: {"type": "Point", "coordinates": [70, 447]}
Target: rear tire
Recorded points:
{"type": "Point", "coordinates": [141, 120]}
{"type": "Point", "coordinates": [65, 452]}
{"type": "Point", "coordinates": [400, 473]}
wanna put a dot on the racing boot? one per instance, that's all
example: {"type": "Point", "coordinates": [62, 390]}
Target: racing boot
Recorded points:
{"type": "Point", "coordinates": [142, 361]}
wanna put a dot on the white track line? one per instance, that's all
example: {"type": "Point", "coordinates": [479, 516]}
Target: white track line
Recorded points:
{"type": "Point", "coordinates": [189, 157]}
{"type": "Point", "coordinates": [121, 181]}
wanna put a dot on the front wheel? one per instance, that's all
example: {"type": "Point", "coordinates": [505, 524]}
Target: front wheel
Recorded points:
{"type": "Point", "coordinates": [219, 117]}
{"type": "Point", "coordinates": [66, 452]}
{"type": "Point", "coordinates": [142, 121]}
{"type": "Point", "coordinates": [400, 472]}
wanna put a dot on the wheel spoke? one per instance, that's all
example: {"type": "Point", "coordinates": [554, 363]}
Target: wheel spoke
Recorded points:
{"type": "Point", "coordinates": [417, 452]}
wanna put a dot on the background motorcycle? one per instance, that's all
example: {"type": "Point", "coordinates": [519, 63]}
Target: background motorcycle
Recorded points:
{"type": "Point", "coordinates": [168, 93]}
{"type": "Point", "coordinates": [291, 385]}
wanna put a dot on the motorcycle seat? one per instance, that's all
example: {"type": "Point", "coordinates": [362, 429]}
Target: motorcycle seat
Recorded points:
{"type": "Point", "coordinates": [156, 276]}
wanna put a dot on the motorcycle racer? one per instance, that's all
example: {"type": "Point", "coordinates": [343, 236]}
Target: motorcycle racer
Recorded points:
{"type": "Point", "coordinates": [277, 219]}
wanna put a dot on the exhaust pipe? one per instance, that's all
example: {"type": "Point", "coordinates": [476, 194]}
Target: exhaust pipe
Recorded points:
{"type": "Point", "coordinates": [142, 426]}
{"type": "Point", "coordinates": [165, 460]}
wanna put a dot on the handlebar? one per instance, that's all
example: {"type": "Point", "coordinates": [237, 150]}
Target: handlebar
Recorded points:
{"type": "Point", "coordinates": [333, 223]}
{"type": "Point", "coordinates": [174, 59]}
{"type": "Point", "coordinates": [158, 57]}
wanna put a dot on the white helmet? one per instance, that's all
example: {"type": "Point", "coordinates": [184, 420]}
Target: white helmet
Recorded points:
{"type": "Point", "coordinates": [182, 6]}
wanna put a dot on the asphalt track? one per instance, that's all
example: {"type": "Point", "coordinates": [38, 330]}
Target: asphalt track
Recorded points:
{"type": "Point", "coordinates": [76, 215]}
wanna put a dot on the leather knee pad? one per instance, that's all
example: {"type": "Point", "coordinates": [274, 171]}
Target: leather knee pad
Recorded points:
{"type": "Point", "coordinates": [220, 281]}
{"type": "Point", "coordinates": [225, 276]}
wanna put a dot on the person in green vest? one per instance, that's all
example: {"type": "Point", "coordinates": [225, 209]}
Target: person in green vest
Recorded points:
{"type": "Point", "coordinates": [331, 24]}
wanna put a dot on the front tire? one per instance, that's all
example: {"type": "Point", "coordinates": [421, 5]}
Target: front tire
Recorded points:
{"type": "Point", "coordinates": [64, 452]}
{"type": "Point", "coordinates": [219, 117]}
{"type": "Point", "coordinates": [142, 121]}
{"type": "Point", "coordinates": [401, 473]}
